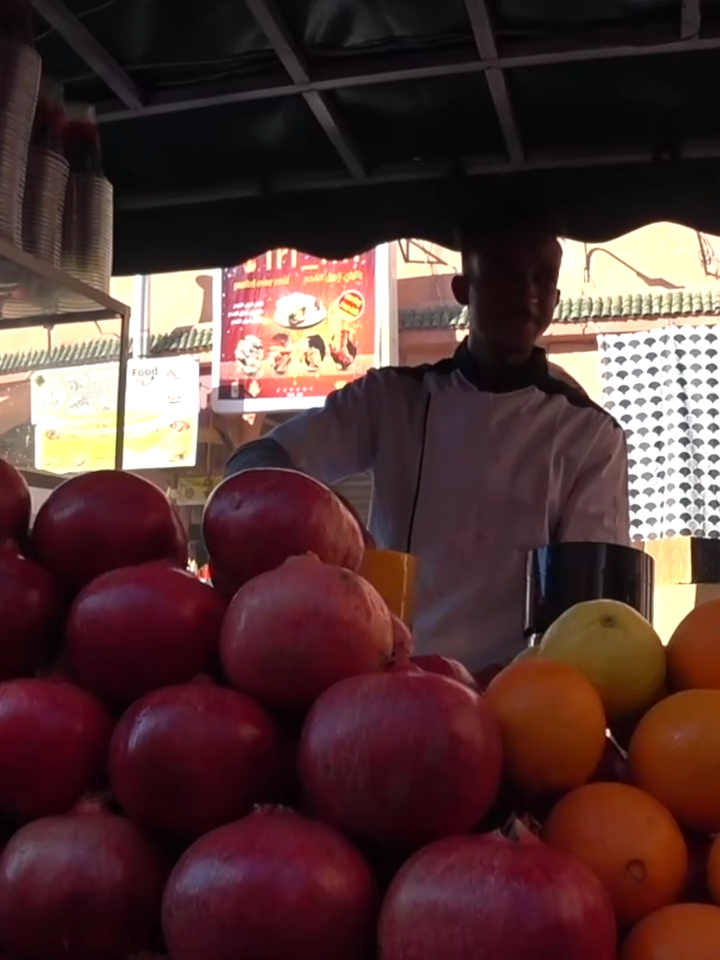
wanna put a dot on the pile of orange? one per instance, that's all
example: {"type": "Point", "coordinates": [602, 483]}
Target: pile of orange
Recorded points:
{"type": "Point", "coordinates": [650, 839]}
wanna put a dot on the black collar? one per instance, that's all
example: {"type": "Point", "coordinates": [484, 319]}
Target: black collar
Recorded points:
{"type": "Point", "coordinates": [533, 372]}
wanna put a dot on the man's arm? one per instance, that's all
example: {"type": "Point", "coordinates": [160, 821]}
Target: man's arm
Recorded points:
{"type": "Point", "coordinates": [597, 508]}
{"type": "Point", "coordinates": [335, 441]}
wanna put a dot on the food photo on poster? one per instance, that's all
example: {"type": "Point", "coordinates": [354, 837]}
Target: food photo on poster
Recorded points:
{"type": "Point", "coordinates": [291, 328]}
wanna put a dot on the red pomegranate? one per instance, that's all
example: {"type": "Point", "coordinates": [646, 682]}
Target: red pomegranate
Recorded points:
{"type": "Point", "coordinates": [368, 538]}
{"type": "Point", "coordinates": [293, 632]}
{"type": "Point", "coordinates": [91, 804]}
{"type": "Point", "coordinates": [104, 520]}
{"type": "Point", "coordinates": [80, 888]}
{"type": "Point", "coordinates": [31, 614]}
{"type": "Point", "coordinates": [15, 503]}
{"type": "Point", "coordinates": [136, 629]}
{"type": "Point", "coordinates": [53, 745]}
{"type": "Point", "coordinates": [400, 758]}
{"type": "Point", "coordinates": [272, 886]}
{"type": "Point", "coordinates": [256, 519]}
{"type": "Point", "coordinates": [445, 667]}
{"type": "Point", "coordinates": [187, 759]}
{"type": "Point", "coordinates": [402, 639]}
{"type": "Point", "coordinates": [493, 898]}
{"type": "Point", "coordinates": [402, 666]}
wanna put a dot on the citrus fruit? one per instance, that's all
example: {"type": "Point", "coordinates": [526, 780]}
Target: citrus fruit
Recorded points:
{"type": "Point", "coordinates": [674, 754]}
{"type": "Point", "coordinates": [617, 650]}
{"type": "Point", "coordinates": [628, 839]}
{"type": "Point", "coordinates": [693, 651]}
{"type": "Point", "coordinates": [552, 724]}
{"type": "Point", "coordinates": [527, 654]}
{"type": "Point", "coordinates": [713, 870]}
{"type": "Point", "coordinates": [683, 931]}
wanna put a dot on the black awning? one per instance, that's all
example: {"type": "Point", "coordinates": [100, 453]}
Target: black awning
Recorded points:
{"type": "Point", "coordinates": [233, 126]}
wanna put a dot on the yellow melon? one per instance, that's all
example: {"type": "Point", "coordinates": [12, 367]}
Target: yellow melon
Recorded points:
{"type": "Point", "coordinates": [617, 650]}
{"type": "Point", "coordinates": [527, 653]}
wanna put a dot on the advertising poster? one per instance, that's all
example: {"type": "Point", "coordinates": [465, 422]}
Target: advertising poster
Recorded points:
{"type": "Point", "coordinates": [291, 328]}
{"type": "Point", "coordinates": [74, 413]}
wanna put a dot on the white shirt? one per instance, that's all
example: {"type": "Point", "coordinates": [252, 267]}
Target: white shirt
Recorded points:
{"type": "Point", "coordinates": [469, 474]}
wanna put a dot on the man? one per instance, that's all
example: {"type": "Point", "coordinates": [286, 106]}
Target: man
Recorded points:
{"type": "Point", "coordinates": [478, 458]}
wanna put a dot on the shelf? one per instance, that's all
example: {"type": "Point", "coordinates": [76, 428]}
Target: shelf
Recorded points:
{"type": "Point", "coordinates": [33, 293]}
{"type": "Point", "coordinates": [36, 294]}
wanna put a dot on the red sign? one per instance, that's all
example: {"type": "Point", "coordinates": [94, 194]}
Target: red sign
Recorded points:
{"type": "Point", "coordinates": [294, 328]}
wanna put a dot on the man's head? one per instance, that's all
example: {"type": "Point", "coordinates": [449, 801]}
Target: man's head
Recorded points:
{"type": "Point", "coordinates": [511, 260]}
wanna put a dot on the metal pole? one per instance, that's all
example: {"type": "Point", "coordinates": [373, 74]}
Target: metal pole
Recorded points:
{"type": "Point", "coordinates": [122, 388]}
{"type": "Point", "coordinates": [141, 318]}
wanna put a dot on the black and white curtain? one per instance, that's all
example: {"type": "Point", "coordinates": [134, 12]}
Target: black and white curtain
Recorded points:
{"type": "Point", "coordinates": [663, 386]}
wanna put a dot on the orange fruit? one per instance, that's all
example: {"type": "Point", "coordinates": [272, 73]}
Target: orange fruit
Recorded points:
{"type": "Point", "coordinates": [628, 839]}
{"type": "Point", "coordinates": [693, 651]}
{"type": "Point", "coordinates": [674, 754]}
{"type": "Point", "coordinates": [713, 870]}
{"type": "Point", "coordinates": [683, 931]}
{"type": "Point", "coordinates": [552, 723]}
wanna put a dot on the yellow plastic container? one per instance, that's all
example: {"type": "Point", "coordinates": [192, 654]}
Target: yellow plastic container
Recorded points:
{"type": "Point", "coordinates": [393, 575]}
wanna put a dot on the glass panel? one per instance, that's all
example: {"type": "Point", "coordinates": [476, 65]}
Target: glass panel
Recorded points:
{"type": "Point", "coordinates": [29, 288]}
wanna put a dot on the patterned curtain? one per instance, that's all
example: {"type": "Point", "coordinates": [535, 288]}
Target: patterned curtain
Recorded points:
{"type": "Point", "coordinates": [663, 386]}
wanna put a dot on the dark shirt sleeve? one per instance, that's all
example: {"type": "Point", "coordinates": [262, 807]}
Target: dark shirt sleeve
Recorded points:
{"type": "Point", "coordinates": [259, 453]}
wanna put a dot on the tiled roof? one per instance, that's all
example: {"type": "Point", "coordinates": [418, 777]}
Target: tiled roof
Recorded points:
{"type": "Point", "coordinates": [198, 339]}
{"type": "Point", "coordinates": [632, 306]}
{"type": "Point", "coordinates": [105, 349]}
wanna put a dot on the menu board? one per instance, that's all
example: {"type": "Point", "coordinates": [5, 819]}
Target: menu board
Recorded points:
{"type": "Point", "coordinates": [74, 413]}
{"type": "Point", "coordinates": [293, 328]}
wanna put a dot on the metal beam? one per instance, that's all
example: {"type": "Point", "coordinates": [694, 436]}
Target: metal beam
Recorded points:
{"type": "Point", "coordinates": [271, 23]}
{"type": "Point", "coordinates": [413, 67]}
{"type": "Point", "coordinates": [79, 39]}
{"type": "Point", "coordinates": [690, 19]}
{"type": "Point", "coordinates": [404, 173]}
{"type": "Point", "coordinates": [485, 42]}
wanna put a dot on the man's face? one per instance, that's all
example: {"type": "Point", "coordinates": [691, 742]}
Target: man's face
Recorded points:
{"type": "Point", "coordinates": [510, 287]}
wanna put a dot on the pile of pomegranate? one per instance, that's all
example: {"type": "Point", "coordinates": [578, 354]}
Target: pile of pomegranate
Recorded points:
{"type": "Point", "coordinates": [255, 770]}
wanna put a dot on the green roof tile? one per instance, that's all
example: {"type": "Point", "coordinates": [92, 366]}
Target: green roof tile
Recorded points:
{"type": "Point", "coordinates": [667, 305]}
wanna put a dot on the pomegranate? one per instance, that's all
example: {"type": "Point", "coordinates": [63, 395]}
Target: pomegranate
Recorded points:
{"type": "Point", "coordinates": [15, 503]}
{"type": "Point", "coordinates": [401, 758]}
{"type": "Point", "coordinates": [453, 669]}
{"type": "Point", "coordinates": [136, 629]}
{"type": "Point", "coordinates": [190, 758]}
{"type": "Point", "coordinates": [53, 745]}
{"type": "Point", "coordinates": [255, 520]}
{"type": "Point", "coordinates": [31, 612]}
{"type": "Point", "coordinates": [91, 804]}
{"type": "Point", "coordinates": [403, 666]}
{"type": "Point", "coordinates": [489, 897]}
{"type": "Point", "coordinates": [79, 888]}
{"type": "Point", "coordinates": [291, 633]}
{"type": "Point", "coordinates": [368, 539]}
{"type": "Point", "coordinates": [104, 520]}
{"type": "Point", "coordinates": [402, 638]}
{"type": "Point", "coordinates": [271, 886]}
